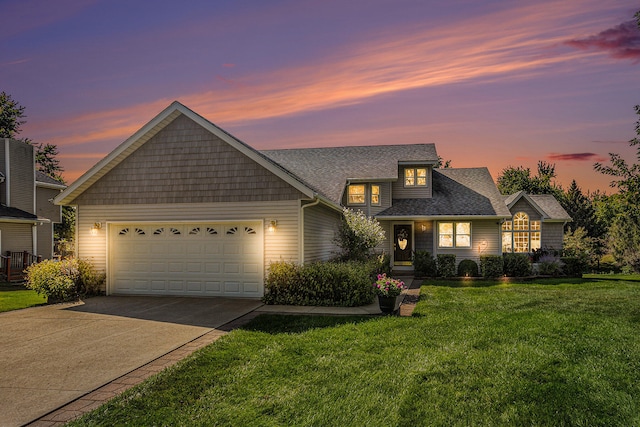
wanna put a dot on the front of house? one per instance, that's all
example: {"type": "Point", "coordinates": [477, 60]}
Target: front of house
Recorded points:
{"type": "Point", "coordinates": [184, 208]}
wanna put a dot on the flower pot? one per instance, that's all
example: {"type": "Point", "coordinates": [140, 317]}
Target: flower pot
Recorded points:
{"type": "Point", "coordinates": [389, 305]}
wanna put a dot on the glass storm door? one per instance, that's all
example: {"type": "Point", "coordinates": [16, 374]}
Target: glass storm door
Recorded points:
{"type": "Point", "coordinates": [402, 244]}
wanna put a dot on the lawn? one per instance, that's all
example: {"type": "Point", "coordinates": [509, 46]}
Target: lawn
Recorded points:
{"type": "Point", "coordinates": [15, 297]}
{"type": "Point", "coordinates": [551, 353]}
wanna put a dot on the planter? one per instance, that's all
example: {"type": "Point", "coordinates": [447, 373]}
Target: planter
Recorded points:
{"type": "Point", "coordinates": [389, 305]}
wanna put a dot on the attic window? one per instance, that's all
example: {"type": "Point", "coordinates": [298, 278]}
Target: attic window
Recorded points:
{"type": "Point", "coordinates": [415, 177]}
{"type": "Point", "coordinates": [356, 194]}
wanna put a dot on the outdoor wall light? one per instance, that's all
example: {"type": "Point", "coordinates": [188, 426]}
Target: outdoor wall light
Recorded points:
{"type": "Point", "coordinates": [272, 226]}
{"type": "Point", "coordinates": [95, 227]}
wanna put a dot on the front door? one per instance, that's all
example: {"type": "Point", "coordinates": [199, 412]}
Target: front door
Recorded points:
{"type": "Point", "coordinates": [402, 244]}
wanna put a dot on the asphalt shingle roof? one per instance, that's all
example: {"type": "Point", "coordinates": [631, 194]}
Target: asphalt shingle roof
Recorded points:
{"type": "Point", "coordinates": [327, 170]}
{"type": "Point", "coordinates": [550, 206]}
{"type": "Point", "coordinates": [456, 192]}
{"type": "Point", "coordinates": [46, 179]}
{"type": "Point", "coordinates": [7, 212]}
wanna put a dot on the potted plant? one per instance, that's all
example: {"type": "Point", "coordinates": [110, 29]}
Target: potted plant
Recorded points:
{"type": "Point", "coordinates": [389, 293]}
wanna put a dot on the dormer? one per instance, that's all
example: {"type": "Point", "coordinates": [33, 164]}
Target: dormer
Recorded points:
{"type": "Point", "coordinates": [415, 180]}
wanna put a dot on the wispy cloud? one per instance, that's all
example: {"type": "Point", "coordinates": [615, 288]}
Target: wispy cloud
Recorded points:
{"type": "Point", "coordinates": [512, 44]}
{"type": "Point", "coordinates": [621, 41]}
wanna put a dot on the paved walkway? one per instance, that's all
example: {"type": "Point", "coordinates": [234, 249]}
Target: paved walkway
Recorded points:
{"type": "Point", "coordinates": [112, 389]}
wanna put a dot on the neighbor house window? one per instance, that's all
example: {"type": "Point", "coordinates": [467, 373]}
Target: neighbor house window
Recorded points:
{"type": "Point", "coordinates": [356, 194]}
{"type": "Point", "coordinates": [521, 235]}
{"type": "Point", "coordinates": [415, 177]}
{"type": "Point", "coordinates": [454, 234]}
{"type": "Point", "coordinates": [375, 195]}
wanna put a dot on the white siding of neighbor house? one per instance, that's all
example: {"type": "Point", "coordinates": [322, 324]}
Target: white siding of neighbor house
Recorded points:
{"type": "Point", "coordinates": [320, 226]}
{"type": "Point", "coordinates": [481, 230]}
{"type": "Point", "coordinates": [280, 245]}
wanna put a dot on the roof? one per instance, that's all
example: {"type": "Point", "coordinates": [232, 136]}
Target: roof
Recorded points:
{"type": "Point", "coordinates": [546, 204]}
{"type": "Point", "coordinates": [47, 181]}
{"type": "Point", "coordinates": [151, 129]}
{"type": "Point", "coordinates": [327, 170]}
{"type": "Point", "coordinates": [464, 192]}
{"type": "Point", "coordinates": [9, 214]}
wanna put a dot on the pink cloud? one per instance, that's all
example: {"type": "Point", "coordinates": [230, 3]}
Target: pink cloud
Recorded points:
{"type": "Point", "coordinates": [621, 41]}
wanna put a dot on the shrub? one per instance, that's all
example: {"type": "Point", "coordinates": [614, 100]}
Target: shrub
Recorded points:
{"type": "Point", "coordinates": [549, 265]}
{"type": "Point", "coordinates": [358, 235]}
{"type": "Point", "coordinates": [424, 264]}
{"type": "Point", "coordinates": [491, 265]}
{"type": "Point", "coordinates": [90, 280]}
{"type": "Point", "coordinates": [468, 268]}
{"type": "Point", "coordinates": [517, 265]}
{"type": "Point", "coordinates": [57, 280]}
{"type": "Point", "coordinates": [574, 266]}
{"type": "Point", "coordinates": [346, 284]}
{"type": "Point", "coordinates": [446, 265]}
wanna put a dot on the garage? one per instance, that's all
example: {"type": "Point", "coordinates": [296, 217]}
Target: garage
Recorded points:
{"type": "Point", "coordinates": [187, 259]}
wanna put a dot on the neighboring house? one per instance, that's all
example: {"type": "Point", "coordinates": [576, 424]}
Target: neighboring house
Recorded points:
{"type": "Point", "coordinates": [184, 208]}
{"type": "Point", "coordinates": [27, 212]}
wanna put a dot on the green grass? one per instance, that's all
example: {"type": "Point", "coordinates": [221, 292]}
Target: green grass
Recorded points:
{"type": "Point", "coordinates": [15, 297]}
{"type": "Point", "coordinates": [548, 353]}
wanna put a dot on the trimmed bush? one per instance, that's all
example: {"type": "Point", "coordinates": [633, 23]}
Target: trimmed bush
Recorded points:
{"type": "Point", "coordinates": [548, 265]}
{"type": "Point", "coordinates": [468, 268]}
{"type": "Point", "coordinates": [446, 265]}
{"type": "Point", "coordinates": [491, 265]}
{"type": "Point", "coordinates": [574, 266]}
{"type": "Point", "coordinates": [517, 265]}
{"type": "Point", "coordinates": [346, 284]}
{"type": "Point", "coordinates": [64, 280]}
{"type": "Point", "coordinates": [424, 264]}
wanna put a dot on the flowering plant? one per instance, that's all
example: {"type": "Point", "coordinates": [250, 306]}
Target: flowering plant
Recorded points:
{"type": "Point", "coordinates": [388, 287]}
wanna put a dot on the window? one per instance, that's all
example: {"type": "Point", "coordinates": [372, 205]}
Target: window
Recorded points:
{"type": "Point", "coordinates": [415, 177]}
{"type": "Point", "coordinates": [521, 235]}
{"type": "Point", "coordinates": [375, 195]}
{"type": "Point", "coordinates": [356, 194]}
{"type": "Point", "coordinates": [454, 234]}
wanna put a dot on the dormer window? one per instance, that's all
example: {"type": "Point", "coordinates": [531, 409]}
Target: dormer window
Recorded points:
{"type": "Point", "coordinates": [415, 177]}
{"type": "Point", "coordinates": [356, 194]}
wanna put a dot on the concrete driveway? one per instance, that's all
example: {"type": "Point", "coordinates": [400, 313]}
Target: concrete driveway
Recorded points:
{"type": "Point", "coordinates": [54, 354]}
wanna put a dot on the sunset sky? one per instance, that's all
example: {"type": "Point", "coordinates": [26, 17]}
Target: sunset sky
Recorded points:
{"type": "Point", "coordinates": [491, 83]}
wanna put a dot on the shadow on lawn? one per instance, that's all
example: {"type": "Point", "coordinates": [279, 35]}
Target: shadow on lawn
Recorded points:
{"type": "Point", "coordinates": [283, 324]}
{"type": "Point", "coordinates": [472, 282]}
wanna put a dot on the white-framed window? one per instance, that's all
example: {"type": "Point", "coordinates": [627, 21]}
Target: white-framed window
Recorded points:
{"type": "Point", "coordinates": [415, 177]}
{"type": "Point", "coordinates": [454, 234]}
{"type": "Point", "coordinates": [375, 195]}
{"type": "Point", "coordinates": [356, 194]}
{"type": "Point", "coordinates": [521, 235]}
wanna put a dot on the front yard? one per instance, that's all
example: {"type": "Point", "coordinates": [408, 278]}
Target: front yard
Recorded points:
{"type": "Point", "coordinates": [15, 297]}
{"type": "Point", "coordinates": [560, 352]}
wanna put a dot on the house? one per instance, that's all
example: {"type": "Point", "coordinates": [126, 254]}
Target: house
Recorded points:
{"type": "Point", "coordinates": [184, 208]}
{"type": "Point", "coordinates": [27, 211]}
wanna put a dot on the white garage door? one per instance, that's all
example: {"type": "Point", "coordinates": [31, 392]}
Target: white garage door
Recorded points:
{"type": "Point", "coordinates": [199, 259]}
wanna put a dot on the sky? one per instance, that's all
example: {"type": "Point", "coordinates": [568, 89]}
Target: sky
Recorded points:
{"type": "Point", "coordinates": [496, 83]}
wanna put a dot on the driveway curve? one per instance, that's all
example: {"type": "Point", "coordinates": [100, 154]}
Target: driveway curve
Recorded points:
{"type": "Point", "coordinates": [54, 354]}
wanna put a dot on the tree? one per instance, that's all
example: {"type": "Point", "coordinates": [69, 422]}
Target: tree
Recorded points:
{"type": "Point", "coordinates": [581, 210]}
{"type": "Point", "coordinates": [443, 163]}
{"type": "Point", "coordinates": [517, 179]}
{"type": "Point", "coordinates": [11, 115]}
{"type": "Point", "coordinates": [358, 235]}
{"type": "Point", "coordinates": [624, 231]}
{"type": "Point", "coordinates": [47, 161]}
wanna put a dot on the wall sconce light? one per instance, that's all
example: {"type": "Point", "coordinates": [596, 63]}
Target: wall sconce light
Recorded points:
{"type": "Point", "coordinates": [423, 228]}
{"type": "Point", "coordinates": [272, 226]}
{"type": "Point", "coordinates": [95, 227]}
{"type": "Point", "coordinates": [483, 246]}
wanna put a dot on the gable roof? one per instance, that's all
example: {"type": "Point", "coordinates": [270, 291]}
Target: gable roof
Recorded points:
{"type": "Point", "coordinates": [546, 204]}
{"type": "Point", "coordinates": [151, 129]}
{"type": "Point", "coordinates": [9, 214]}
{"type": "Point", "coordinates": [459, 192]}
{"type": "Point", "coordinates": [328, 170]}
